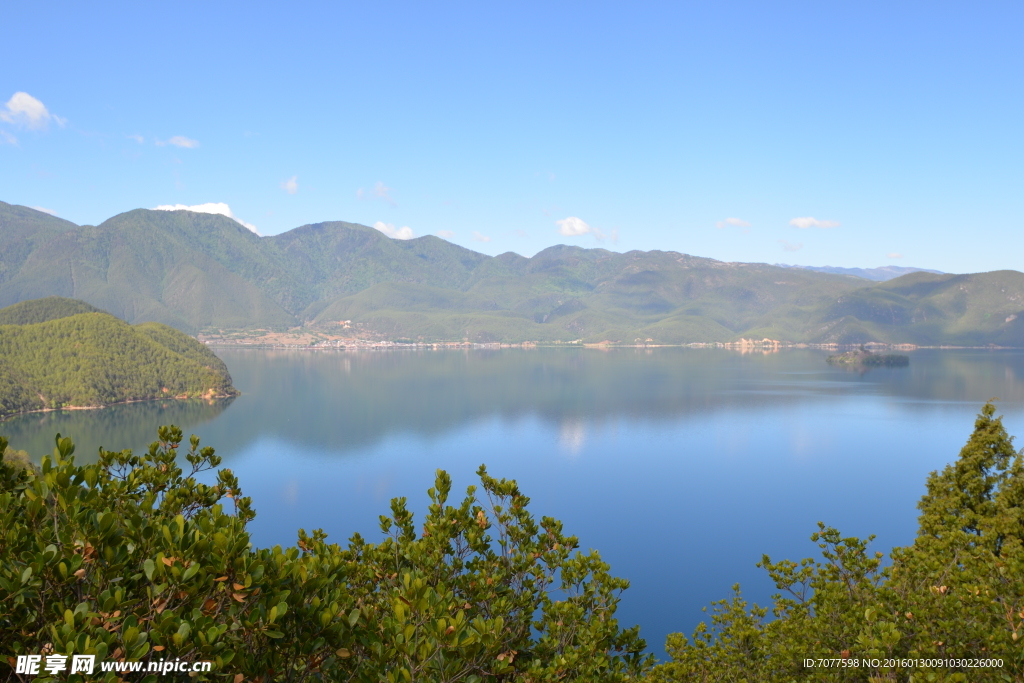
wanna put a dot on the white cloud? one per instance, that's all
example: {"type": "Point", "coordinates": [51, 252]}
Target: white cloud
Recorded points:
{"type": "Point", "coordinates": [24, 110]}
{"type": "Point", "coordinates": [39, 208]}
{"type": "Point", "coordinates": [447, 234]}
{"type": "Point", "coordinates": [291, 186]}
{"type": "Point", "coordinates": [573, 227]}
{"type": "Point", "coordinates": [138, 138]}
{"type": "Point", "coordinates": [738, 222]}
{"type": "Point", "coordinates": [894, 254]}
{"type": "Point", "coordinates": [8, 138]}
{"type": "Point", "coordinates": [379, 191]}
{"type": "Point", "coordinates": [219, 208]}
{"type": "Point", "coordinates": [402, 233]}
{"type": "Point", "coordinates": [791, 246]}
{"type": "Point", "coordinates": [179, 141]}
{"type": "Point", "coordinates": [809, 222]}
{"type": "Point", "coordinates": [477, 237]}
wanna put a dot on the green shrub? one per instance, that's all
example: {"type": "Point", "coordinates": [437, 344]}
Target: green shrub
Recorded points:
{"type": "Point", "coordinates": [956, 593]}
{"type": "Point", "coordinates": [133, 559]}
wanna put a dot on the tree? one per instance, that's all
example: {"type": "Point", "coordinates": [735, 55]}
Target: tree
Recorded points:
{"type": "Point", "coordinates": [963, 578]}
{"type": "Point", "coordinates": [956, 593]}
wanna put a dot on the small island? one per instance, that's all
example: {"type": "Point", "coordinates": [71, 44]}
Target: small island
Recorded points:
{"type": "Point", "coordinates": [862, 358]}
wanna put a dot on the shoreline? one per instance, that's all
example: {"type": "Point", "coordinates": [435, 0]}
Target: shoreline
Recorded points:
{"type": "Point", "coordinates": [360, 345]}
{"type": "Point", "coordinates": [119, 403]}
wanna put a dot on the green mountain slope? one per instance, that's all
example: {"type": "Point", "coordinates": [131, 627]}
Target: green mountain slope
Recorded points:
{"type": "Point", "coordinates": [567, 293]}
{"type": "Point", "coordinates": [921, 308]}
{"type": "Point", "coordinates": [148, 266]}
{"type": "Point", "coordinates": [94, 359]}
{"type": "Point", "coordinates": [43, 310]}
{"type": "Point", "coordinates": [200, 271]}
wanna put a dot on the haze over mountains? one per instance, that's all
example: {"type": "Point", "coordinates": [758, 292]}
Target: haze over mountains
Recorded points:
{"type": "Point", "coordinates": [880, 274]}
{"type": "Point", "coordinates": [198, 271]}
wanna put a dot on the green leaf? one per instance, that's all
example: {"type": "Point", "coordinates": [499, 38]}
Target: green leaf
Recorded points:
{"type": "Point", "coordinates": [191, 571]}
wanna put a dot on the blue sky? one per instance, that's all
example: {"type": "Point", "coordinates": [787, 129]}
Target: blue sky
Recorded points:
{"type": "Point", "coordinates": [848, 134]}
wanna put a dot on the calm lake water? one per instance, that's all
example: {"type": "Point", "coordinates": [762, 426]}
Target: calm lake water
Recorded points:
{"type": "Point", "coordinates": [681, 466]}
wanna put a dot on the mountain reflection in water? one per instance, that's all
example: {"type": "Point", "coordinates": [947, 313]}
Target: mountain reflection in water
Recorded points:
{"type": "Point", "coordinates": [682, 466]}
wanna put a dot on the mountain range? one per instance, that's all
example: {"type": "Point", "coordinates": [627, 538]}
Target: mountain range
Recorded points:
{"type": "Point", "coordinates": [196, 271]}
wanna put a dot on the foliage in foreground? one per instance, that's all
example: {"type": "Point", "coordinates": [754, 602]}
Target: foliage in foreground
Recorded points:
{"type": "Point", "coordinates": [956, 593]}
{"type": "Point", "coordinates": [133, 559]}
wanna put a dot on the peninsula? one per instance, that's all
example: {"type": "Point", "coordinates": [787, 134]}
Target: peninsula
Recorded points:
{"type": "Point", "coordinates": [62, 353]}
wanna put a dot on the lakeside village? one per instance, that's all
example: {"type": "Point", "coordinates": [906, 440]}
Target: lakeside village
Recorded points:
{"type": "Point", "coordinates": [311, 339]}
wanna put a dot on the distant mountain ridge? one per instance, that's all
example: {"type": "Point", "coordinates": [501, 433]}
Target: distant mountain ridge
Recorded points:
{"type": "Point", "coordinates": [880, 274]}
{"type": "Point", "coordinates": [198, 271]}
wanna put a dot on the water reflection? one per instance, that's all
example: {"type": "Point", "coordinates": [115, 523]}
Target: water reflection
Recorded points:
{"type": "Point", "coordinates": [682, 466]}
{"type": "Point", "coordinates": [346, 402]}
{"type": "Point", "coordinates": [572, 437]}
{"type": "Point", "coordinates": [115, 427]}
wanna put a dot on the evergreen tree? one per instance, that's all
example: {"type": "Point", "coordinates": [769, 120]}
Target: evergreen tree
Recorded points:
{"type": "Point", "coordinates": [957, 593]}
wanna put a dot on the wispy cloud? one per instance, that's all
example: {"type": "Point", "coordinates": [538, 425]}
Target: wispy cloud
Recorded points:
{"type": "Point", "coordinates": [447, 234]}
{"type": "Point", "coordinates": [380, 191]}
{"type": "Point", "coordinates": [39, 208]}
{"type": "Point", "coordinates": [138, 138]}
{"type": "Point", "coordinates": [8, 138]}
{"type": "Point", "coordinates": [810, 222]}
{"type": "Point", "coordinates": [894, 254]}
{"type": "Point", "coordinates": [402, 233]}
{"type": "Point", "coordinates": [182, 141]}
{"type": "Point", "coordinates": [26, 111]}
{"type": "Point", "coordinates": [178, 141]}
{"type": "Point", "coordinates": [477, 237]}
{"type": "Point", "coordinates": [219, 208]}
{"type": "Point", "coordinates": [738, 222]}
{"type": "Point", "coordinates": [791, 246]}
{"type": "Point", "coordinates": [291, 186]}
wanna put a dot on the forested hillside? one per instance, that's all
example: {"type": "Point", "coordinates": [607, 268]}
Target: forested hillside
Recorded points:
{"type": "Point", "coordinates": [91, 358]}
{"type": "Point", "coordinates": [196, 271]}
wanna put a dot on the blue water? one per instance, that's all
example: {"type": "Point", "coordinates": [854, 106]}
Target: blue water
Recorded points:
{"type": "Point", "coordinates": [681, 466]}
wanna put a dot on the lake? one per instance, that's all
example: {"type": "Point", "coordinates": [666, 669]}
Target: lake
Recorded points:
{"type": "Point", "coordinates": [681, 466]}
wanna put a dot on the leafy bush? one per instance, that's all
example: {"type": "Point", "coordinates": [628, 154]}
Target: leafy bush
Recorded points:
{"type": "Point", "coordinates": [133, 559]}
{"type": "Point", "coordinates": [956, 593]}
